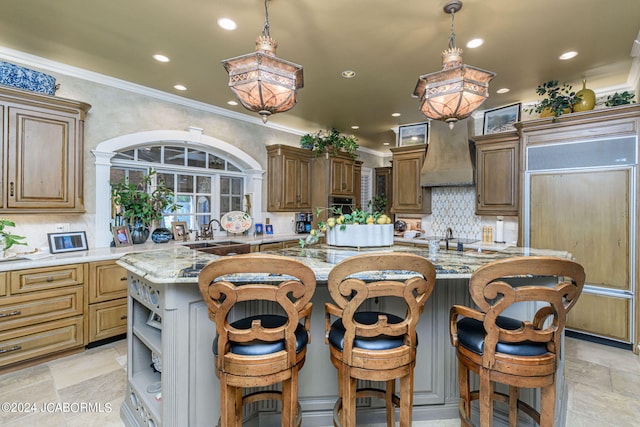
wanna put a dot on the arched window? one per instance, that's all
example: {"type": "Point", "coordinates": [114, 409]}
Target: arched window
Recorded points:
{"type": "Point", "coordinates": [230, 173]}
{"type": "Point", "coordinates": [206, 185]}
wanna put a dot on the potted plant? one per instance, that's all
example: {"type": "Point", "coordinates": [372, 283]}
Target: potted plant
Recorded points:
{"type": "Point", "coordinates": [332, 141]}
{"type": "Point", "coordinates": [358, 228]}
{"type": "Point", "coordinates": [559, 99]}
{"type": "Point", "coordinates": [140, 205]}
{"type": "Point", "coordinates": [7, 239]}
{"type": "Point", "coordinates": [620, 99]}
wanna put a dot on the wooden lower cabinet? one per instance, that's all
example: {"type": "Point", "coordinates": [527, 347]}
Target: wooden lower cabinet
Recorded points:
{"type": "Point", "coordinates": [107, 319]}
{"type": "Point", "coordinates": [616, 324]}
{"type": "Point", "coordinates": [107, 307]}
{"type": "Point", "coordinates": [41, 313]}
{"type": "Point", "coordinates": [272, 246]}
{"type": "Point", "coordinates": [21, 344]}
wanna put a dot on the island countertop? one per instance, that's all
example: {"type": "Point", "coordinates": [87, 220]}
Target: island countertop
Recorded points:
{"type": "Point", "coordinates": [182, 265]}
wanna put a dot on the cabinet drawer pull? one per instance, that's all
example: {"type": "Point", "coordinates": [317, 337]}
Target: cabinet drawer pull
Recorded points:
{"type": "Point", "coordinates": [11, 189]}
{"type": "Point", "coordinates": [7, 350]}
{"type": "Point", "coordinates": [50, 279]}
{"type": "Point", "coordinates": [123, 317]}
{"type": "Point", "coordinates": [11, 313]}
{"type": "Point", "coordinates": [123, 278]}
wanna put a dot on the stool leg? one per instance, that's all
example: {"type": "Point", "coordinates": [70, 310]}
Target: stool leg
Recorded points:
{"type": "Point", "coordinates": [465, 397]}
{"type": "Point", "coordinates": [290, 399]}
{"type": "Point", "coordinates": [486, 399]}
{"type": "Point", "coordinates": [406, 399]}
{"type": "Point", "coordinates": [390, 390]}
{"type": "Point", "coordinates": [513, 405]}
{"type": "Point", "coordinates": [348, 399]}
{"type": "Point", "coordinates": [547, 405]}
{"type": "Point", "coordinates": [228, 403]}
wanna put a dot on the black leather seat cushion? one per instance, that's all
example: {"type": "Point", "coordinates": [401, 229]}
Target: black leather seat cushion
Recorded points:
{"type": "Point", "coordinates": [381, 342]}
{"type": "Point", "coordinates": [259, 348]}
{"type": "Point", "coordinates": [471, 335]}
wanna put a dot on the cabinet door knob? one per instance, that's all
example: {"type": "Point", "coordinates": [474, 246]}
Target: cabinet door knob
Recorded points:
{"type": "Point", "coordinates": [123, 278]}
{"type": "Point", "coordinates": [50, 279]}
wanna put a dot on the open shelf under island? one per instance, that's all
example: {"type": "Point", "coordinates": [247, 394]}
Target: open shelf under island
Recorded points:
{"type": "Point", "coordinates": [170, 340]}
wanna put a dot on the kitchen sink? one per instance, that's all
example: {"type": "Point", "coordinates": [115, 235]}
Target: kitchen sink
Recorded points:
{"type": "Point", "coordinates": [221, 248]}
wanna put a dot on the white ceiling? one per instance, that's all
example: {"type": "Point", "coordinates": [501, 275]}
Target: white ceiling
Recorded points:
{"type": "Point", "coordinates": [388, 43]}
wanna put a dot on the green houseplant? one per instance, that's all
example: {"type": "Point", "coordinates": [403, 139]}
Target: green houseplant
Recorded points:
{"type": "Point", "coordinates": [140, 204]}
{"type": "Point", "coordinates": [559, 99]}
{"type": "Point", "coordinates": [620, 99]}
{"type": "Point", "coordinates": [332, 141]}
{"type": "Point", "coordinates": [7, 239]}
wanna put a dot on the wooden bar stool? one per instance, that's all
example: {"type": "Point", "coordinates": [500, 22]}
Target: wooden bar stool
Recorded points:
{"type": "Point", "coordinates": [510, 351]}
{"type": "Point", "coordinates": [373, 345]}
{"type": "Point", "coordinates": [264, 349]}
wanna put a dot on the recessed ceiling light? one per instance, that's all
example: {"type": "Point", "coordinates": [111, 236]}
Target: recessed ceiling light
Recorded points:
{"type": "Point", "coordinates": [179, 87]}
{"type": "Point", "coordinates": [161, 58]}
{"type": "Point", "coordinates": [355, 127]}
{"type": "Point", "coordinates": [348, 74]}
{"type": "Point", "coordinates": [396, 114]}
{"type": "Point", "coordinates": [232, 103]}
{"type": "Point", "coordinates": [568, 55]}
{"type": "Point", "coordinates": [227, 24]}
{"type": "Point", "coordinates": [473, 43]}
{"type": "Point", "coordinates": [503, 90]}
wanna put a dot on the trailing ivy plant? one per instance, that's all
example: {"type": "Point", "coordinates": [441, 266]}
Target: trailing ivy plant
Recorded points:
{"type": "Point", "coordinates": [559, 98]}
{"type": "Point", "coordinates": [620, 99]}
{"type": "Point", "coordinates": [332, 141]}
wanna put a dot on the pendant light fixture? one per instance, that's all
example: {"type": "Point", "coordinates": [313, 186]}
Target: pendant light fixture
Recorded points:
{"type": "Point", "coordinates": [457, 90]}
{"type": "Point", "coordinates": [262, 82]}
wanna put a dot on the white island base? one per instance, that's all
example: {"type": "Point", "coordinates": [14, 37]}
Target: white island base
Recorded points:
{"type": "Point", "coordinates": [190, 389]}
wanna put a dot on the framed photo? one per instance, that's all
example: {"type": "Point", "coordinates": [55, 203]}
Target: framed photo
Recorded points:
{"type": "Point", "coordinates": [414, 134]}
{"type": "Point", "coordinates": [501, 119]}
{"type": "Point", "coordinates": [154, 320]}
{"type": "Point", "coordinates": [121, 236]}
{"type": "Point", "coordinates": [259, 229]}
{"type": "Point", "coordinates": [268, 229]}
{"type": "Point", "coordinates": [180, 230]}
{"type": "Point", "coordinates": [69, 241]}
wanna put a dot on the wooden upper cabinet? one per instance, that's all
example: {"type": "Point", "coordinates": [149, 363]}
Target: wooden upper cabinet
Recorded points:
{"type": "Point", "coordinates": [289, 179]}
{"type": "Point", "coordinates": [408, 194]}
{"type": "Point", "coordinates": [342, 176]}
{"type": "Point", "coordinates": [43, 161]}
{"type": "Point", "coordinates": [497, 173]}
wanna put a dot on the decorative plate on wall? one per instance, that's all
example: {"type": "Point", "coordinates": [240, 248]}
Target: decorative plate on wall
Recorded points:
{"type": "Point", "coordinates": [236, 221]}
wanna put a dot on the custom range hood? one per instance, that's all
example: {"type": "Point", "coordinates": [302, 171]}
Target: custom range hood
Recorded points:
{"type": "Point", "coordinates": [449, 159]}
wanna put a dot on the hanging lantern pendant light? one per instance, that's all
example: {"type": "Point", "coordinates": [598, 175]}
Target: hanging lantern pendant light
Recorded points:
{"type": "Point", "coordinates": [261, 81]}
{"type": "Point", "coordinates": [457, 90]}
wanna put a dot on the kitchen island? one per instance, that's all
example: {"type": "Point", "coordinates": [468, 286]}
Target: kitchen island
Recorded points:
{"type": "Point", "coordinates": [170, 372]}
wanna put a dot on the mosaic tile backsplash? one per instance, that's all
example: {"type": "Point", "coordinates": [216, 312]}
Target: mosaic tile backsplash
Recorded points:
{"type": "Point", "coordinates": [455, 207]}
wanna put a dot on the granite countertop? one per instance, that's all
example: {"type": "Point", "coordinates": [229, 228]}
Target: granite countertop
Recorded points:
{"type": "Point", "coordinates": [181, 265]}
{"type": "Point", "coordinates": [104, 254]}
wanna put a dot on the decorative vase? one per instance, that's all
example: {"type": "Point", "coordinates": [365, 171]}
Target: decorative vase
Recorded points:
{"type": "Point", "coordinates": [587, 99]}
{"type": "Point", "coordinates": [139, 232]}
{"type": "Point", "coordinates": [361, 235]}
{"type": "Point", "coordinates": [161, 235]}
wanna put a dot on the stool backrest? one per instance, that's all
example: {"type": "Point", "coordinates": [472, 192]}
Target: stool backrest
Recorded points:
{"type": "Point", "coordinates": [349, 293]}
{"type": "Point", "coordinates": [290, 285]}
{"type": "Point", "coordinates": [493, 295]}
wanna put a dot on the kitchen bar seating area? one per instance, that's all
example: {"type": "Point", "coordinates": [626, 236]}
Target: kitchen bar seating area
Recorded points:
{"type": "Point", "coordinates": [189, 237]}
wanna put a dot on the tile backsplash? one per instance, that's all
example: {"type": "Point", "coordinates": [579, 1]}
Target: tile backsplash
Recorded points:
{"type": "Point", "coordinates": [455, 207]}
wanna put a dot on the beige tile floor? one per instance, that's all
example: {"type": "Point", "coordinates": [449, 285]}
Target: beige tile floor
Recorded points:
{"type": "Point", "coordinates": [603, 384]}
